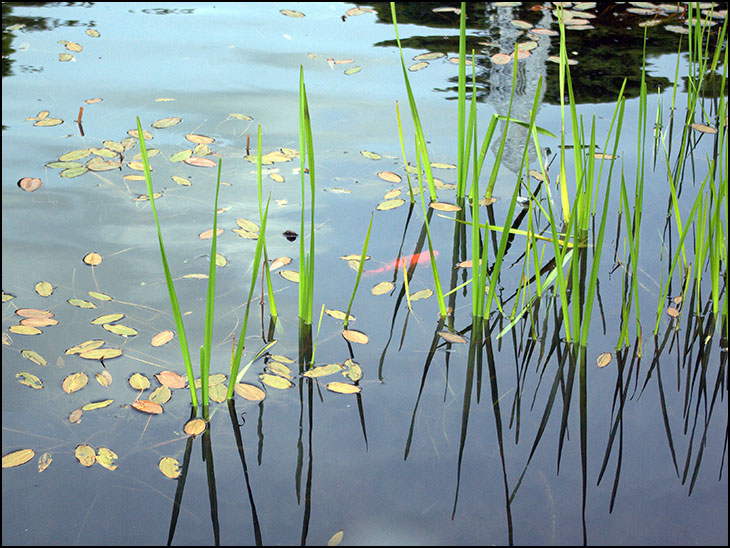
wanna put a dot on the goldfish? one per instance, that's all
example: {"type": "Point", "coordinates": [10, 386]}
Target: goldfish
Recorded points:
{"type": "Point", "coordinates": [417, 258]}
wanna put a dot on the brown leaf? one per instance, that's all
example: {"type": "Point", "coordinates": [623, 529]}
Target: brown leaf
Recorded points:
{"type": "Point", "coordinates": [147, 406]}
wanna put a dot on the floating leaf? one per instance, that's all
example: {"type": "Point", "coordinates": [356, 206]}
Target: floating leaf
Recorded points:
{"type": "Point", "coordinates": [100, 296]}
{"type": "Point", "coordinates": [444, 206]}
{"type": "Point", "coordinates": [422, 294]}
{"type": "Point", "coordinates": [247, 225]}
{"type": "Point", "coordinates": [390, 204]}
{"type": "Point", "coordinates": [135, 134]}
{"type": "Point", "coordinates": [336, 538]}
{"type": "Point", "coordinates": [44, 289]}
{"type": "Point", "coordinates": [200, 162]}
{"type": "Point", "coordinates": [106, 458]}
{"type": "Point", "coordinates": [119, 329]}
{"type": "Point", "coordinates": [246, 233]}
{"type": "Point", "coordinates": [44, 461]}
{"type": "Point", "coordinates": [24, 330]}
{"type": "Point", "coordinates": [418, 66]}
{"type": "Point", "coordinates": [139, 382]}
{"type": "Point", "coordinates": [279, 262]}
{"type": "Point", "coordinates": [371, 155]}
{"type": "Point", "coordinates": [703, 128]}
{"type": "Point", "coordinates": [85, 454]}
{"type": "Point", "coordinates": [104, 378]}
{"type": "Point", "coordinates": [673, 312]}
{"type": "Point", "coordinates": [81, 303]}
{"type": "Point", "coordinates": [171, 379]}
{"type": "Point", "coordinates": [338, 314]}
{"type": "Point", "coordinates": [29, 184]}
{"type": "Point", "coordinates": [75, 416]}
{"type": "Point", "coordinates": [343, 387]}
{"type": "Point", "coordinates": [147, 406]}
{"type": "Point", "coordinates": [249, 391]}
{"type": "Point", "coordinates": [429, 56]}
{"type": "Point", "coordinates": [322, 370]}
{"type": "Point", "coordinates": [33, 356]}
{"type": "Point", "coordinates": [107, 318]}
{"type": "Point", "coordinates": [279, 369]}
{"type": "Point", "coordinates": [73, 46]}
{"type": "Point", "coordinates": [195, 426]}
{"type": "Point", "coordinates": [166, 122]}
{"type": "Point", "coordinates": [73, 172]}
{"type": "Point", "coordinates": [98, 164]}
{"type": "Point", "coordinates": [163, 337]}
{"type": "Point", "coordinates": [33, 313]}
{"type": "Point", "coordinates": [353, 335]}
{"type": "Point", "coordinates": [85, 346]}
{"type": "Point", "coordinates": [74, 382]}
{"type": "Point", "coordinates": [441, 165]}
{"type": "Point", "coordinates": [275, 381]}
{"type": "Point", "coordinates": [208, 234]}
{"type": "Point", "coordinates": [93, 33]}
{"type": "Point", "coordinates": [96, 405]}
{"type": "Point", "coordinates": [451, 337]}
{"type": "Point", "coordinates": [28, 379]}
{"type": "Point", "coordinates": [382, 288]}
{"type": "Point", "coordinates": [169, 467]}
{"type": "Point", "coordinates": [38, 322]}
{"type": "Point", "coordinates": [291, 13]}
{"type": "Point", "coordinates": [501, 58]}
{"type": "Point", "coordinates": [16, 458]}
{"type": "Point", "coordinates": [244, 117]}
{"type": "Point", "coordinates": [291, 275]}
{"type": "Point", "coordinates": [277, 178]}
{"type": "Point", "coordinates": [353, 70]}
{"type": "Point", "coordinates": [352, 370]}
{"type": "Point", "coordinates": [101, 354]}
{"type": "Point", "coordinates": [161, 395]}
{"type": "Point", "coordinates": [92, 259]}
{"type": "Point", "coordinates": [603, 359]}
{"type": "Point", "coordinates": [182, 181]}
{"type": "Point", "coordinates": [212, 380]}
{"type": "Point", "coordinates": [390, 176]}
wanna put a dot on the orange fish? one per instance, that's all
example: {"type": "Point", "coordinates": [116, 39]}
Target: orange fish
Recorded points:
{"type": "Point", "coordinates": [417, 258]}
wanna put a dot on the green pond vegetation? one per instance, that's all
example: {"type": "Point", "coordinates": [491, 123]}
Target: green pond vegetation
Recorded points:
{"type": "Point", "coordinates": [559, 227]}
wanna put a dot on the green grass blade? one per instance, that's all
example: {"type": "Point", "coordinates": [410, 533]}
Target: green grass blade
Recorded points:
{"type": "Point", "coordinates": [168, 277]}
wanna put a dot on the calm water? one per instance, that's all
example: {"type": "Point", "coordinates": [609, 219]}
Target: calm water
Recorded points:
{"type": "Point", "coordinates": [399, 463]}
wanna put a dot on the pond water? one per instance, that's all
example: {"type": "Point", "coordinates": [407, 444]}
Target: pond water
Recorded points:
{"type": "Point", "coordinates": [437, 447]}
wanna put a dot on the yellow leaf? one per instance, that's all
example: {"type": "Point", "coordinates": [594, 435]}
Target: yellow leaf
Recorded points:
{"type": "Point", "coordinates": [85, 454]}
{"type": "Point", "coordinates": [74, 382]}
{"type": "Point", "coordinates": [343, 388]}
{"type": "Point", "coordinates": [96, 405]}
{"type": "Point", "coordinates": [44, 289]}
{"type": "Point", "coordinates": [274, 381]}
{"type": "Point", "coordinates": [195, 426]}
{"type": "Point", "coordinates": [291, 275]}
{"type": "Point", "coordinates": [106, 458]}
{"type": "Point", "coordinates": [28, 379]}
{"type": "Point", "coordinates": [85, 346]}
{"type": "Point", "coordinates": [603, 359]}
{"type": "Point", "coordinates": [107, 318]}
{"type": "Point", "coordinates": [119, 329]}
{"type": "Point", "coordinates": [322, 370]}
{"type": "Point", "coordinates": [24, 330]}
{"type": "Point", "coordinates": [169, 467]}
{"type": "Point", "coordinates": [382, 288]}
{"type": "Point", "coordinates": [139, 381]}
{"type": "Point", "coordinates": [336, 538]}
{"type": "Point", "coordinates": [161, 395]}
{"type": "Point", "coordinates": [44, 461]}
{"type": "Point", "coordinates": [16, 458]}
{"type": "Point", "coordinates": [249, 391]}
{"type": "Point", "coordinates": [390, 176]}
{"type": "Point", "coordinates": [101, 354]}
{"type": "Point", "coordinates": [33, 356]}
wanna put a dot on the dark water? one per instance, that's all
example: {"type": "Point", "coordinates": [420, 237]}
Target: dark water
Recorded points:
{"type": "Point", "coordinates": [446, 444]}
